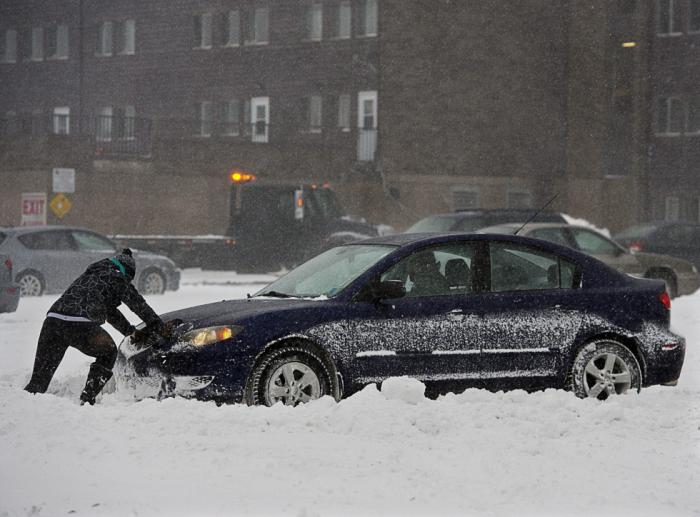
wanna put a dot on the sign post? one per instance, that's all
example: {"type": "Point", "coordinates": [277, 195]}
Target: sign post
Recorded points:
{"type": "Point", "coordinates": [33, 209]}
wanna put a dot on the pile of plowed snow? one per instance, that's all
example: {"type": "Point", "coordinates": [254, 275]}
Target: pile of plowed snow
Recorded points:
{"type": "Point", "coordinates": [379, 452]}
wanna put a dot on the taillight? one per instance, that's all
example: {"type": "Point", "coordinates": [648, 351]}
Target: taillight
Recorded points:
{"type": "Point", "coordinates": [636, 246]}
{"type": "Point", "coordinates": [665, 299]}
{"type": "Point", "coordinates": [8, 264]}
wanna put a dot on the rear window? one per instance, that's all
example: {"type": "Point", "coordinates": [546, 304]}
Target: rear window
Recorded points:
{"type": "Point", "coordinates": [46, 240]}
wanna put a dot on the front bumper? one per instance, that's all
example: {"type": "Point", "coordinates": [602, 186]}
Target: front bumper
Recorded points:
{"type": "Point", "coordinates": [9, 298]}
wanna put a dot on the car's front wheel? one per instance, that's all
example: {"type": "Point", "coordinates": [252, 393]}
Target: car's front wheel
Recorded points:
{"type": "Point", "coordinates": [31, 283]}
{"type": "Point", "coordinates": [291, 375]}
{"type": "Point", "coordinates": [603, 369]}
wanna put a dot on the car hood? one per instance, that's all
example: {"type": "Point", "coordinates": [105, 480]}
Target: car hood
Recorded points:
{"type": "Point", "coordinates": [227, 312]}
{"type": "Point", "coordinates": [652, 260]}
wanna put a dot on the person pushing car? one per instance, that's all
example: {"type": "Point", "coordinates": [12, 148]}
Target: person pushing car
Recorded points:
{"type": "Point", "coordinates": [75, 319]}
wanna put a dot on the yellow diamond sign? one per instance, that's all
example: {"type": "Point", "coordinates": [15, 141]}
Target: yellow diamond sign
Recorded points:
{"type": "Point", "coordinates": [60, 205]}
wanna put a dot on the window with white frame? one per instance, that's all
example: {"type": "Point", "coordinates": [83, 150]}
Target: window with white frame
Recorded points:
{"type": "Point", "coordinates": [9, 51]}
{"type": "Point", "coordinates": [61, 120]}
{"type": "Point", "coordinates": [672, 208]}
{"type": "Point", "coordinates": [693, 115]}
{"type": "Point", "coordinates": [314, 21]}
{"type": "Point", "coordinates": [368, 18]}
{"type": "Point", "coordinates": [37, 44]}
{"type": "Point", "coordinates": [463, 199]}
{"type": "Point", "coordinates": [203, 30]}
{"type": "Point", "coordinates": [344, 20]}
{"type": "Point", "coordinates": [205, 116]}
{"type": "Point", "coordinates": [519, 199]}
{"type": "Point", "coordinates": [669, 17]}
{"type": "Point", "coordinates": [104, 38]}
{"type": "Point", "coordinates": [694, 16]}
{"type": "Point", "coordinates": [315, 113]}
{"type": "Point", "coordinates": [260, 118]}
{"type": "Point", "coordinates": [259, 34]}
{"type": "Point", "coordinates": [669, 116]}
{"type": "Point", "coordinates": [232, 121]}
{"type": "Point", "coordinates": [344, 112]}
{"type": "Point", "coordinates": [128, 37]}
{"type": "Point", "coordinates": [129, 123]}
{"type": "Point", "coordinates": [103, 131]}
{"type": "Point", "coordinates": [233, 28]}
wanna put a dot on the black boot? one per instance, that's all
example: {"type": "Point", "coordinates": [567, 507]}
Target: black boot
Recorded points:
{"type": "Point", "coordinates": [97, 378]}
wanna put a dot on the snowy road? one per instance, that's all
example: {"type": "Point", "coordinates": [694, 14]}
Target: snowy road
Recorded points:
{"type": "Point", "coordinates": [377, 453]}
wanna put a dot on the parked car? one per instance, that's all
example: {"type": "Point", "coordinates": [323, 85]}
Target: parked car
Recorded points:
{"type": "Point", "coordinates": [680, 276]}
{"type": "Point", "coordinates": [9, 291]}
{"type": "Point", "coordinates": [452, 310]}
{"type": "Point", "coordinates": [678, 239]}
{"type": "Point", "coordinates": [48, 258]}
{"type": "Point", "coordinates": [473, 220]}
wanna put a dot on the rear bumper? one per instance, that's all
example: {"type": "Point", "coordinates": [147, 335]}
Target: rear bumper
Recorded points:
{"type": "Point", "coordinates": [665, 360]}
{"type": "Point", "coordinates": [9, 298]}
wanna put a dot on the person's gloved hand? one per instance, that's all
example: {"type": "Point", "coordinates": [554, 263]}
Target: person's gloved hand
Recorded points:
{"type": "Point", "coordinates": [139, 337]}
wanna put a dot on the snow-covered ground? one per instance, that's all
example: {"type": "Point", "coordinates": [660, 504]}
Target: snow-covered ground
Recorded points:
{"type": "Point", "coordinates": [388, 452]}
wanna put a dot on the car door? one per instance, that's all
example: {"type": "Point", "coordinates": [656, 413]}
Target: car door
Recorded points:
{"type": "Point", "coordinates": [607, 251]}
{"type": "Point", "coordinates": [529, 316]}
{"type": "Point", "coordinates": [91, 247]}
{"type": "Point", "coordinates": [432, 333]}
{"type": "Point", "coordinates": [53, 255]}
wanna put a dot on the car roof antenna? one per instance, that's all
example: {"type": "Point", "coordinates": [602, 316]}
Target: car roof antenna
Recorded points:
{"type": "Point", "coordinates": [537, 213]}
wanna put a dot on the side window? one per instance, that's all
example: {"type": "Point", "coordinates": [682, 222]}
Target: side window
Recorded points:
{"type": "Point", "coordinates": [54, 241]}
{"type": "Point", "coordinates": [436, 271]}
{"type": "Point", "coordinates": [92, 242]}
{"type": "Point", "coordinates": [555, 235]}
{"type": "Point", "coordinates": [520, 268]}
{"type": "Point", "coordinates": [594, 244]}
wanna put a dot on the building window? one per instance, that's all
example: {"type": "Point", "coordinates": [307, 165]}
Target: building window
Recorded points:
{"type": "Point", "coordinates": [103, 131]}
{"type": "Point", "coordinates": [203, 30]}
{"type": "Point", "coordinates": [37, 44]}
{"type": "Point", "coordinates": [259, 31]}
{"type": "Point", "coordinates": [233, 28]}
{"type": "Point", "coordinates": [694, 18]}
{"type": "Point", "coordinates": [61, 120]}
{"type": "Point", "coordinates": [260, 118]}
{"type": "Point", "coordinates": [669, 17]}
{"type": "Point", "coordinates": [693, 126]}
{"type": "Point", "coordinates": [344, 20]}
{"type": "Point", "coordinates": [104, 39]}
{"type": "Point", "coordinates": [344, 112]}
{"type": "Point", "coordinates": [128, 37]}
{"type": "Point", "coordinates": [61, 42]}
{"type": "Point", "coordinates": [673, 208]}
{"type": "Point", "coordinates": [315, 113]}
{"type": "Point", "coordinates": [463, 199]}
{"type": "Point", "coordinates": [129, 123]}
{"type": "Point", "coordinates": [314, 21]}
{"type": "Point", "coordinates": [519, 199]}
{"type": "Point", "coordinates": [232, 121]}
{"type": "Point", "coordinates": [368, 18]}
{"type": "Point", "coordinates": [204, 118]}
{"type": "Point", "coordinates": [9, 51]}
{"type": "Point", "coordinates": [669, 120]}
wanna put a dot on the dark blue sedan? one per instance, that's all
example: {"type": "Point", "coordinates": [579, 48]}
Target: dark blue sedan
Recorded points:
{"type": "Point", "coordinates": [452, 310]}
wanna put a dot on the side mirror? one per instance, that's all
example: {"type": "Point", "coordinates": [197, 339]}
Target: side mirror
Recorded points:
{"type": "Point", "coordinates": [389, 289]}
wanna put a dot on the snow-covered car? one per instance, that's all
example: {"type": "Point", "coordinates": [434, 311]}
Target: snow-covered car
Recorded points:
{"type": "Point", "coordinates": [48, 258]}
{"type": "Point", "coordinates": [681, 277]}
{"type": "Point", "coordinates": [451, 310]}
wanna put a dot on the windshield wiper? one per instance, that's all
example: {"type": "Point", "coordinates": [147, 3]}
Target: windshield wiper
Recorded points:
{"type": "Point", "coordinates": [276, 294]}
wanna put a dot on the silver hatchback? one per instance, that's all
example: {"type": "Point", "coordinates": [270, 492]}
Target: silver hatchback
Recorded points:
{"type": "Point", "coordinates": [48, 258]}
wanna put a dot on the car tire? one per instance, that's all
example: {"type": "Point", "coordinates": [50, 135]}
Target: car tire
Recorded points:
{"type": "Point", "coordinates": [605, 368]}
{"type": "Point", "coordinates": [152, 281]}
{"type": "Point", "coordinates": [291, 375]}
{"type": "Point", "coordinates": [31, 283]}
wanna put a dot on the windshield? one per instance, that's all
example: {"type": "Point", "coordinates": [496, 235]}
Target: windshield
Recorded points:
{"type": "Point", "coordinates": [432, 224]}
{"type": "Point", "coordinates": [328, 273]}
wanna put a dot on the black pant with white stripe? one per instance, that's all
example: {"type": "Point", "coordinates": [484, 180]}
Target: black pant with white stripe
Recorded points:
{"type": "Point", "coordinates": [55, 338]}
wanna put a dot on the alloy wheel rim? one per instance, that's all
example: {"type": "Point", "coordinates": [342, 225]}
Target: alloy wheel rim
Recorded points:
{"type": "Point", "coordinates": [153, 284]}
{"type": "Point", "coordinates": [29, 285]}
{"type": "Point", "coordinates": [293, 383]}
{"type": "Point", "coordinates": [606, 375]}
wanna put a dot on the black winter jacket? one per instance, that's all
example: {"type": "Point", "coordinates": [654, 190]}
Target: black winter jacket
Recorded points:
{"type": "Point", "coordinates": [98, 292]}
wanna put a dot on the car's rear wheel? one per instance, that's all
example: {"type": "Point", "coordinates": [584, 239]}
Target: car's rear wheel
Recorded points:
{"type": "Point", "coordinates": [603, 369]}
{"type": "Point", "coordinates": [31, 283]}
{"type": "Point", "coordinates": [291, 375]}
{"type": "Point", "coordinates": [152, 282]}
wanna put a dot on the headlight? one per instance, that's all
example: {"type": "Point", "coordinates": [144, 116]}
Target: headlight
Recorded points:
{"type": "Point", "coordinates": [209, 335]}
